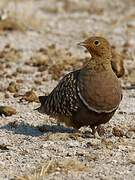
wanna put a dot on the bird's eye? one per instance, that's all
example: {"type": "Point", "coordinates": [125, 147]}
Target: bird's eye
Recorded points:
{"type": "Point", "coordinates": [96, 42]}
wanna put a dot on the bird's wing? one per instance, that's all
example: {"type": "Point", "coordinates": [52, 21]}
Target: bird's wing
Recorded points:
{"type": "Point", "coordinates": [63, 99]}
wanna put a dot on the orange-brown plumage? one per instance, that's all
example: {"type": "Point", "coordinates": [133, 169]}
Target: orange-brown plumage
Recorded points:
{"type": "Point", "coordinates": [88, 96]}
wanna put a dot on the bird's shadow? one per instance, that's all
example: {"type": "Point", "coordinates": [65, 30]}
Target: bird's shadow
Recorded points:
{"type": "Point", "coordinates": [30, 130]}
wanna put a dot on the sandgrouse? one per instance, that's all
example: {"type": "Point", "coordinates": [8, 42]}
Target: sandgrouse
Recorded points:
{"type": "Point", "coordinates": [88, 96]}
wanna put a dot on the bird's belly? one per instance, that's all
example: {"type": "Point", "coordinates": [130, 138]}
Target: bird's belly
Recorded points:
{"type": "Point", "coordinates": [85, 117]}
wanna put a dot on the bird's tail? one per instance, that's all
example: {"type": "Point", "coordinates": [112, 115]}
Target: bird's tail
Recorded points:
{"type": "Point", "coordinates": [42, 100]}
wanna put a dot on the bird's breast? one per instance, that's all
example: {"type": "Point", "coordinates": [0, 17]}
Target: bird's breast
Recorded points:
{"type": "Point", "coordinates": [100, 92]}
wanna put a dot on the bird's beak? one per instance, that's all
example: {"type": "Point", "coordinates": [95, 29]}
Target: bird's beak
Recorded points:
{"type": "Point", "coordinates": [82, 44]}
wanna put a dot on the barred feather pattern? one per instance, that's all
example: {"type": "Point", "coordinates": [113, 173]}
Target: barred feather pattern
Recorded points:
{"type": "Point", "coordinates": [63, 100]}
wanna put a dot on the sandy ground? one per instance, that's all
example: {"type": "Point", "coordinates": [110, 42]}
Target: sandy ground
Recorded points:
{"type": "Point", "coordinates": [37, 47]}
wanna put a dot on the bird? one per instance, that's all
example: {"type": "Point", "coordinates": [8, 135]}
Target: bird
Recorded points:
{"type": "Point", "coordinates": [88, 96]}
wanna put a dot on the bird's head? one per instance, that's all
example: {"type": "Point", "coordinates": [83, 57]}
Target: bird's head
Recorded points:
{"type": "Point", "coordinates": [97, 46]}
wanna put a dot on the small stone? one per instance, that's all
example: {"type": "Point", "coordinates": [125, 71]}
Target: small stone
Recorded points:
{"type": "Point", "coordinates": [38, 82]}
{"type": "Point", "coordinates": [9, 76]}
{"type": "Point", "coordinates": [132, 129]}
{"type": "Point", "coordinates": [13, 87]}
{"type": "Point", "coordinates": [129, 134]}
{"type": "Point", "coordinates": [108, 144]}
{"type": "Point", "coordinates": [39, 60]}
{"type": "Point", "coordinates": [3, 147]}
{"type": "Point", "coordinates": [131, 77]}
{"type": "Point", "coordinates": [8, 66]}
{"type": "Point", "coordinates": [30, 96]}
{"type": "Point", "coordinates": [7, 95]}
{"type": "Point", "coordinates": [7, 110]}
{"type": "Point", "coordinates": [16, 95]}
{"type": "Point", "coordinates": [19, 81]}
{"type": "Point", "coordinates": [42, 68]}
{"type": "Point", "coordinates": [9, 54]}
{"type": "Point", "coordinates": [118, 132]}
{"type": "Point", "coordinates": [56, 71]}
{"type": "Point", "coordinates": [13, 124]}
{"type": "Point", "coordinates": [14, 74]}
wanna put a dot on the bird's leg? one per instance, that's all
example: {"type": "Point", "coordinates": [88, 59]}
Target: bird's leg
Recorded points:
{"type": "Point", "coordinates": [94, 132]}
{"type": "Point", "coordinates": [100, 130]}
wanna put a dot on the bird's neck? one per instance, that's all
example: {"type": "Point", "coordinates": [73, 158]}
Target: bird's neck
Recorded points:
{"type": "Point", "coordinates": [98, 64]}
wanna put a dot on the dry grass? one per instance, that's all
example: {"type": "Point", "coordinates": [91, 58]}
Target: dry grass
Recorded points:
{"type": "Point", "coordinates": [55, 166]}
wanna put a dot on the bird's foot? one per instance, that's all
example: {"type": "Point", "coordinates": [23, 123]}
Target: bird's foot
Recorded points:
{"type": "Point", "coordinates": [86, 132]}
{"type": "Point", "coordinates": [95, 132]}
{"type": "Point", "coordinates": [101, 130]}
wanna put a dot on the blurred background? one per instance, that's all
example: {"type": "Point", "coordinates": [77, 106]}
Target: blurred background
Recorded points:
{"type": "Point", "coordinates": [33, 24]}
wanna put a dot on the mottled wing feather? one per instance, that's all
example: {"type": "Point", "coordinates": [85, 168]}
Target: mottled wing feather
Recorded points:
{"type": "Point", "coordinates": [63, 99]}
